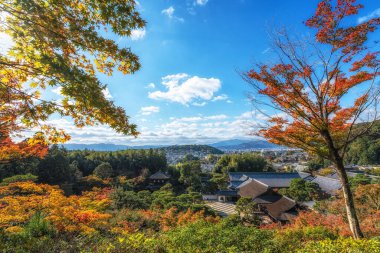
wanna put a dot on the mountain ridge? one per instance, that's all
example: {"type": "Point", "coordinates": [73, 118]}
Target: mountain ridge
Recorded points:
{"type": "Point", "coordinates": [233, 144]}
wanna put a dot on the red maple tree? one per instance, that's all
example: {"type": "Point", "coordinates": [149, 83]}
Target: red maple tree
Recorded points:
{"type": "Point", "coordinates": [310, 83]}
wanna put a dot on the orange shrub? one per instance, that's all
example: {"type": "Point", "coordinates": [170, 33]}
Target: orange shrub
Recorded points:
{"type": "Point", "coordinates": [75, 214]}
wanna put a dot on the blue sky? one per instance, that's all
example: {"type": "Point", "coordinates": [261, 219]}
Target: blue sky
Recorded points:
{"type": "Point", "coordinates": [189, 89]}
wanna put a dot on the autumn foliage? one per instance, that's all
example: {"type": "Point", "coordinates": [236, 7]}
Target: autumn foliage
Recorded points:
{"type": "Point", "coordinates": [311, 94]}
{"type": "Point", "coordinates": [74, 214]}
{"type": "Point", "coordinates": [307, 88]}
{"type": "Point", "coordinates": [84, 214]}
{"type": "Point", "coordinates": [61, 46]}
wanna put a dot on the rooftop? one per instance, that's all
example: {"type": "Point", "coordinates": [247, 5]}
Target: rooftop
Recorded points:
{"type": "Point", "coordinates": [278, 208]}
{"type": "Point", "coordinates": [252, 188]}
{"type": "Point", "coordinates": [271, 179]}
{"type": "Point", "coordinates": [327, 184]}
{"type": "Point", "coordinates": [159, 175]}
{"type": "Point", "coordinates": [267, 198]}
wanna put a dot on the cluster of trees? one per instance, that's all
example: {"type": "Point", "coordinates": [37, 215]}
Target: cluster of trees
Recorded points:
{"type": "Point", "coordinates": [86, 169]}
{"type": "Point", "coordinates": [162, 199]}
{"type": "Point", "coordinates": [366, 149]}
{"type": "Point", "coordinates": [60, 166]}
{"type": "Point", "coordinates": [205, 149]}
{"type": "Point", "coordinates": [129, 163]}
{"type": "Point", "coordinates": [302, 190]}
{"type": "Point", "coordinates": [245, 162]}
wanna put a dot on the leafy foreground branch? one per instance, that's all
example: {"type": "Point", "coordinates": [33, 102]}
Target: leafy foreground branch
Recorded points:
{"type": "Point", "coordinates": [62, 46]}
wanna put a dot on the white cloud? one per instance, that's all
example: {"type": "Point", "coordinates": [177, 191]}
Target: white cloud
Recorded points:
{"type": "Point", "coordinates": [138, 34]}
{"type": "Point", "coordinates": [151, 86]}
{"type": "Point", "coordinates": [220, 97]}
{"type": "Point", "coordinates": [200, 2]}
{"type": "Point", "coordinates": [169, 12]}
{"type": "Point", "coordinates": [107, 93]}
{"type": "Point", "coordinates": [245, 115]}
{"type": "Point", "coordinates": [148, 110]}
{"type": "Point", "coordinates": [199, 118]}
{"type": "Point", "coordinates": [374, 14]}
{"type": "Point", "coordinates": [196, 129]}
{"type": "Point", "coordinates": [172, 80]}
{"type": "Point", "coordinates": [184, 89]}
{"type": "Point", "coordinates": [217, 117]}
{"type": "Point", "coordinates": [252, 115]}
{"type": "Point", "coordinates": [199, 104]}
{"type": "Point", "coordinates": [205, 129]}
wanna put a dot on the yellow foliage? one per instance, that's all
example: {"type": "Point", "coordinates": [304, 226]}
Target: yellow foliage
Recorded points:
{"type": "Point", "coordinates": [84, 214]}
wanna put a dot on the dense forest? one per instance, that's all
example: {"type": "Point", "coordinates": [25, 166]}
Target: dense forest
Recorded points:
{"type": "Point", "coordinates": [366, 149]}
{"type": "Point", "coordinates": [62, 167]}
{"type": "Point", "coordinates": [204, 149]}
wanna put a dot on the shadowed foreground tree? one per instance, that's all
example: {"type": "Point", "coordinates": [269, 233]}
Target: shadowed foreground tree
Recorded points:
{"type": "Point", "coordinates": [61, 45]}
{"type": "Point", "coordinates": [311, 83]}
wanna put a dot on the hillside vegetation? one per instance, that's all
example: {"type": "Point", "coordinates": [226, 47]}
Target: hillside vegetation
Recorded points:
{"type": "Point", "coordinates": [188, 149]}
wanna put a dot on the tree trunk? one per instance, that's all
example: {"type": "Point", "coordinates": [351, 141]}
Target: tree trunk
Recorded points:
{"type": "Point", "coordinates": [352, 218]}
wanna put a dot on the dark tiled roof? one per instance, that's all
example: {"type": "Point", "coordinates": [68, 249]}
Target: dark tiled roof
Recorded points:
{"type": "Point", "coordinates": [272, 179]}
{"type": "Point", "coordinates": [252, 188]}
{"type": "Point", "coordinates": [278, 208]}
{"type": "Point", "coordinates": [287, 216]}
{"type": "Point", "coordinates": [267, 198]}
{"type": "Point", "coordinates": [159, 175]}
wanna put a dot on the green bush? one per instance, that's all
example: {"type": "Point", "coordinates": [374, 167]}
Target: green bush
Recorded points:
{"type": "Point", "coordinates": [103, 170]}
{"type": "Point", "coordinates": [19, 178]}
{"type": "Point", "coordinates": [290, 240]}
{"type": "Point", "coordinates": [130, 199]}
{"type": "Point", "coordinates": [38, 226]}
{"type": "Point", "coordinates": [220, 237]}
{"type": "Point", "coordinates": [302, 190]}
{"type": "Point", "coordinates": [342, 245]}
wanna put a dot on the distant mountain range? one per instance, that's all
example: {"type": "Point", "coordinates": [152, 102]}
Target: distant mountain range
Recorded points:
{"type": "Point", "coordinates": [235, 144]}
{"type": "Point", "coordinates": [228, 143]}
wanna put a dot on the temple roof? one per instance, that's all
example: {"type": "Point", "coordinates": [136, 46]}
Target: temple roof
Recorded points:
{"type": "Point", "coordinates": [279, 207]}
{"type": "Point", "coordinates": [159, 175]}
{"type": "Point", "coordinates": [271, 179]}
{"type": "Point", "coordinates": [252, 188]}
